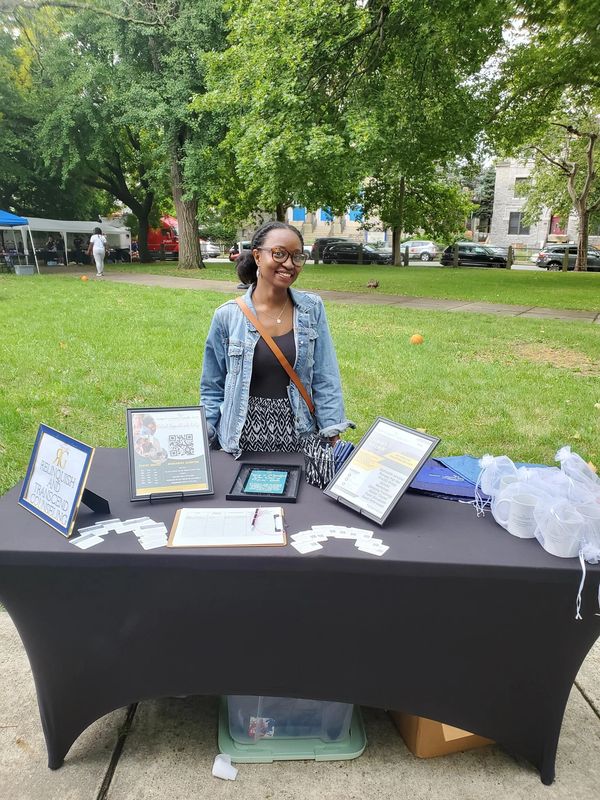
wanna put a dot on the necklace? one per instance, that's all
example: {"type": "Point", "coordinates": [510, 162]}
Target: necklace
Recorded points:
{"type": "Point", "coordinates": [277, 317]}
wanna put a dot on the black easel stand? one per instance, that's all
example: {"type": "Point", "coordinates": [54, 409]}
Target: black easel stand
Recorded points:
{"type": "Point", "coordinates": [95, 502]}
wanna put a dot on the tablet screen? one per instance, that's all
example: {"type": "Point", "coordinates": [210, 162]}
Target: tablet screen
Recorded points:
{"type": "Point", "coordinates": [266, 481]}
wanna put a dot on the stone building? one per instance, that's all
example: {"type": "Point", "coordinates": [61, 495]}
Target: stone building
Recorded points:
{"type": "Point", "coordinates": [508, 226]}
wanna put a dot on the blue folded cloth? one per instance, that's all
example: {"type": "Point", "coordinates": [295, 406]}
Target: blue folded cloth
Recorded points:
{"type": "Point", "coordinates": [436, 479]}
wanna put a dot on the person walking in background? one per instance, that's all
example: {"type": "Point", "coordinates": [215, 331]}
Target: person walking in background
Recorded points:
{"type": "Point", "coordinates": [97, 248]}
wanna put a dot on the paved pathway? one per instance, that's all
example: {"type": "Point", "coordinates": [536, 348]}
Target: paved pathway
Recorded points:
{"type": "Point", "coordinates": [371, 298]}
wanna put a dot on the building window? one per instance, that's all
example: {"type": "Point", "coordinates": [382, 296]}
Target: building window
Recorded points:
{"type": "Point", "coordinates": [520, 184]}
{"type": "Point", "coordinates": [355, 214]}
{"type": "Point", "coordinates": [515, 224]}
{"type": "Point", "coordinates": [298, 214]}
{"type": "Point", "coordinates": [556, 226]}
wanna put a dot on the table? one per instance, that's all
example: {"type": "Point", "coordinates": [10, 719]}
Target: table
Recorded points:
{"type": "Point", "coordinates": [459, 621]}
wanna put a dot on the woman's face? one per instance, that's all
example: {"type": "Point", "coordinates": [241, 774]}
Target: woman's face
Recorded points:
{"type": "Point", "coordinates": [278, 274]}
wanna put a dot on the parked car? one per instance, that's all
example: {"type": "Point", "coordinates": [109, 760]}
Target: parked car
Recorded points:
{"type": "Point", "coordinates": [349, 252]}
{"type": "Point", "coordinates": [551, 257]}
{"type": "Point", "coordinates": [209, 249]}
{"type": "Point", "coordinates": [323, 242]}
{"type": "Point", "coordinates": [235, 249]}
{"type": "Point", "coordinates": [473, 255]}
{"type": "Point", "coordinates": [421, 249]}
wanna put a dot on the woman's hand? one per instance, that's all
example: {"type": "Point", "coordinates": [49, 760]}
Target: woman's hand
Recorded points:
{"type": "Point", "coordinates": [334, 439]}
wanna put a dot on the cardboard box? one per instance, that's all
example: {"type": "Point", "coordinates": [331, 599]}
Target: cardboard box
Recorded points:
{"type": "Point", "coordinates": [427, 738]}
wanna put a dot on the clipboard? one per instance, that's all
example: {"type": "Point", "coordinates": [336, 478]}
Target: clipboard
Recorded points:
{"type": "Point", "coordinates": [261, 526]}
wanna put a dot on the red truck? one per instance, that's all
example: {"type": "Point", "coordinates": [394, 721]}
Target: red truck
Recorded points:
{"type": "Point", "coordinates": [163, 242]}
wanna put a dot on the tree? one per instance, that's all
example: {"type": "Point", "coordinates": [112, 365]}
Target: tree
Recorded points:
{"type": "Point", "coordinates": [547, 96]}
{"type": "Point", "coordinates": [330, 95]}
{"type": "Point", "coordinates": [432, 204]}
{"type": "Point", "coordinates": [284, 145]}
{"type": "Point", "coordinates": [164, 68]}
{"type": "Point", "coordinates": [27, 185]}
{"type": "Point", "coordinates": [565, 171]}
{"type": "Point", "coordinates": [129, 70]}
{"type": "Point", "coordinates": [483, 195]}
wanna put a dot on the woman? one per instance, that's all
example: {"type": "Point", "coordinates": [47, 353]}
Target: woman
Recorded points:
{"type": "Point", "coordinates": [97, 248]}
{"type": "Point", "coordinates": [250, 402]}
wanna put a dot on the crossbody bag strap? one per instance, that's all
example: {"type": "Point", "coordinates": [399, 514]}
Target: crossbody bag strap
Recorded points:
{"type": "Point", "coordinates": [278, 354]}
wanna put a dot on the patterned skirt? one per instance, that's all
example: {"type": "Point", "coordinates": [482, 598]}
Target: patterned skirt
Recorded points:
{"type": "Point", "coordinates": [269, 426]}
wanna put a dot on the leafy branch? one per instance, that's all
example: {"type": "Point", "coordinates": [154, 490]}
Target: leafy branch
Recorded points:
{"type": "Point", "coordinates": [12, 6]}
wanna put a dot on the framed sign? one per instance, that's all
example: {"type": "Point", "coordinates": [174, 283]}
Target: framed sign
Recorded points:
{"type": "Point", "coordinates": [168, 452]}
{"type": "Point", "coordinates": [381, 468]}
{"type": "Point", "coordinates": [55, 478]}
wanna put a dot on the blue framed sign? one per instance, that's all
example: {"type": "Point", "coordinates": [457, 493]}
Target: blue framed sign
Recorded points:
{"type": "Point", "coordinates": [55, 479]}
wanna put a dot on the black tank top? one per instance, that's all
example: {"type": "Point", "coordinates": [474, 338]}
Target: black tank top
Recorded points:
{"type": "Point", "coordinates": [269, 379]}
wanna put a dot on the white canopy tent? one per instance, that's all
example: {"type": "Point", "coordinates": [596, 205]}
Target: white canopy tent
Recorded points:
{"type": "Point", "coordinates": [67, 226]}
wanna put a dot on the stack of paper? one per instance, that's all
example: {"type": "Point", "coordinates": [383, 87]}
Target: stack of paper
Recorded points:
{"type": "Point", "coordinates": [311, 540]}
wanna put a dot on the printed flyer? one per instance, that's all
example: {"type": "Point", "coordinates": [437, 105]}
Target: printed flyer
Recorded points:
{"type": "Point", "coordinates": [168, 451]}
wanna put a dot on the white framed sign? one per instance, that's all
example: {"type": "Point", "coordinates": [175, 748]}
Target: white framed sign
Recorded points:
{"type": "Point", "coordinates": [55, 480]}
{"type": "Point", "coordinates": [381, 468]}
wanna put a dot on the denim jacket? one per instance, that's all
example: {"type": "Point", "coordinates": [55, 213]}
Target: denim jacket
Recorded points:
{"type": "Point", "coordinates": [227, 369]}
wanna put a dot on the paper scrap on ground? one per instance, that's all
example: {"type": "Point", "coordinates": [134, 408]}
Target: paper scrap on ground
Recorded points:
{"type": "Point", "coordinates": [310, 540]}
{"type": "Point", "coordinates": [223, 768]}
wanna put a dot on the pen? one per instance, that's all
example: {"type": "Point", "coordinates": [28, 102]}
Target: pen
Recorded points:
{"type": "Point", "coordinates": [254, 517]}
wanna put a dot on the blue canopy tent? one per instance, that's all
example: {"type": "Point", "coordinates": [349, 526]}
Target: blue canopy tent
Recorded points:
{"type": "Point", "coordinates": [12, 222]}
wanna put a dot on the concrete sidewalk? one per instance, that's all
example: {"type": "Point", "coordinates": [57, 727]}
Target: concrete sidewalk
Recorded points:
{"type": "Point", "coordinates": [370, 297]}
{"type": "Point", "coordinates": [170, 745]}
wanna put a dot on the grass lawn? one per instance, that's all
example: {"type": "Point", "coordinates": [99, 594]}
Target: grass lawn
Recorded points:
{"type": "Point", "coordinates": [518, 287]}
{"type": "Point", "coordinates": [75, 355]}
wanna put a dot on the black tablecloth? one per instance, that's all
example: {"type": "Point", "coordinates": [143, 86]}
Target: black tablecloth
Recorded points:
{"type": "Point", "coordinates": [458, 621]}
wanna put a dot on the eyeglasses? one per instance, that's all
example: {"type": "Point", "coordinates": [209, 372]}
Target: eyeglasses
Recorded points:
{"type": "Point", "coordinates": [281, 255]}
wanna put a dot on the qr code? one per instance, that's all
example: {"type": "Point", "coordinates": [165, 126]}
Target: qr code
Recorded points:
{"type": "Point", "coordinates": [181, 445]}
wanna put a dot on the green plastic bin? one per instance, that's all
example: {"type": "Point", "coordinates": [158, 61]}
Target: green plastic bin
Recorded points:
{"type": "Point", "coordinates": [267, 750]}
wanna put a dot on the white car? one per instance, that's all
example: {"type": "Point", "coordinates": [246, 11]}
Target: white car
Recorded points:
{"type": "Point", "coordinates": [209, 249]}
{"type": "Point", "coordinates": [421, 249]}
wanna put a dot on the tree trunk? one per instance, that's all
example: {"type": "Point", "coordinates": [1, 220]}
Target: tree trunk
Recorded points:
{"type": "Point", "coordinates": [582, 243]}
{"type": "Point", "coordinates": [397, 229]}
{"type": "Point", "coordinates": [143, 226]}
{"type": "Point", "coordinates": [396, 254]}
{"type": "Point", "coordinates": [190, 254]}
{"type": "Point", "coordinates": [280, 212]}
